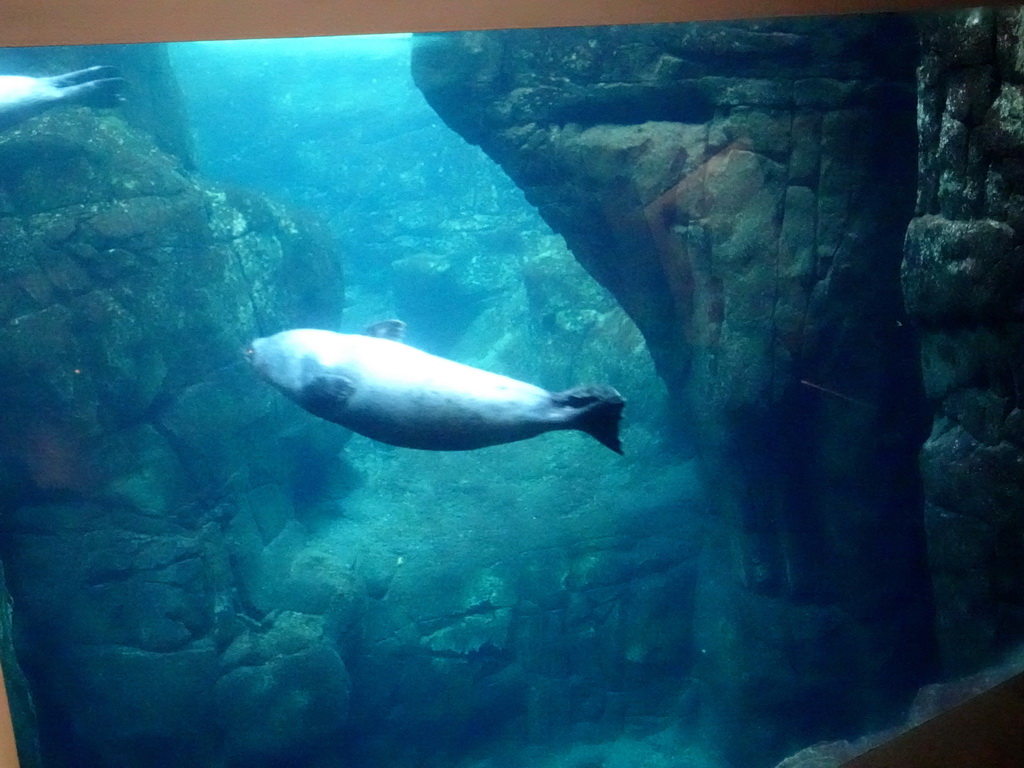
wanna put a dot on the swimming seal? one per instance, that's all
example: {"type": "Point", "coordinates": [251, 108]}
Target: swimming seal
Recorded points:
{"type": "Point", "coordinates": [23, 97]}
{"type": "Point", "coordinates": [391, 392]}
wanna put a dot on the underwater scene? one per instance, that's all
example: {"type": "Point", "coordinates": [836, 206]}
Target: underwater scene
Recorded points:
{"type": "Point", "coordinates": [614, 397]}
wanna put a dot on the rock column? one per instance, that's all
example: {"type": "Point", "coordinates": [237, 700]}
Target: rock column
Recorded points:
{"type": "Point", "coordinates": [963, 276]}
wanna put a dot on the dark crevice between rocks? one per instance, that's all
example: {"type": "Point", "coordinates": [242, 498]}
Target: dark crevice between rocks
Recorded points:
{"type": "Point", "coordinates": [685, 103]}
{"type": "Point", "coordinates": [106, 577]}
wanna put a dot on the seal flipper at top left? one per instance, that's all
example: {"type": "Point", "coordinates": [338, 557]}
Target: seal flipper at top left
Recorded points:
{"type": "Point", "coordinates": [23, 97]}
{"type": "Point", "coordinates": [99, 94]}
{"type": "Point", "coordinates": [79, 76]}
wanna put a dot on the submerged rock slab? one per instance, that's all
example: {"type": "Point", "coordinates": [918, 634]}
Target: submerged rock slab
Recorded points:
{"type": "Point", "coordinates": [291, 680]}
{"type": "Point", "coordinates": [962, 270]}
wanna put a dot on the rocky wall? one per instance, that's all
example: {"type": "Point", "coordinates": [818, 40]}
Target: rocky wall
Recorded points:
{"type": "Point", "coordinates": [154, 106]}
{"type": "Point", "coordinates": [133, 438]}
{"type": "Point", "coordinates": [743, 190]}
{"type": "Point", "coordinates": [963, 277]}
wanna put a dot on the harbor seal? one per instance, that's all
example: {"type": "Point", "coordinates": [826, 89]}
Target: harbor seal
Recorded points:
{"type": "Point", "coordinates": [22, 97]}
{"type": "Point", "coordinates": [396, 394]}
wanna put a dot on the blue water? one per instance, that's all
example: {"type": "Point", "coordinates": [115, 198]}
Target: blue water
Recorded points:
{"type": "Point", "coordinates": [336, 125]}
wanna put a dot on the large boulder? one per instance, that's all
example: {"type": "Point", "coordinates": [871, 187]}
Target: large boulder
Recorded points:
{"type": "Point", "coordinates": [503, 613]}
{"type": "Point", "coordinates": [284, 690]}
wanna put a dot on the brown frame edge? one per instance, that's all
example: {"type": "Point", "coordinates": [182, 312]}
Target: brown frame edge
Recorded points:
{"type": "Point", "coordinates": [985, 730]}
{"type": "Point", "coordinates": [83, 22]}
{"type": "Point", "coordinates": [8, 749]}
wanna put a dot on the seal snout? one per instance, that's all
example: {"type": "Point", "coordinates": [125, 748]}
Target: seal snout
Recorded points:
{"type": "Point", "coordinates": [271, 359]}
{"type": "Point", "coordinates": [254, 354]}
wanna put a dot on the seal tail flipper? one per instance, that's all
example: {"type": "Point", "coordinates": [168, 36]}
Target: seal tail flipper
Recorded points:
{"type": "Point", "coordinates": [598, 413]}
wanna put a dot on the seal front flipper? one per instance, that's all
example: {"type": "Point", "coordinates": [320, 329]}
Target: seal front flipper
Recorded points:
{"type": "Point", "coordinates": [326, 395]}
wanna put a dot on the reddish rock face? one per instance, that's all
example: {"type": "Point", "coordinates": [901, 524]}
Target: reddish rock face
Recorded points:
{"type": "Point", "coordinates": [743, 190]}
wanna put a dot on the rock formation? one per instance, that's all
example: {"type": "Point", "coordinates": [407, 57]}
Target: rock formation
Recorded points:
{"type": "Point", "coordinates": [963, 276]}
{"type": "Point", "coordinates": [743, 189]}
{"type": "Point", "coordinates": [132, 434]}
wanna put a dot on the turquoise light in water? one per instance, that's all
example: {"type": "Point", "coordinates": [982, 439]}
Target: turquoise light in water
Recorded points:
{"type": "Point", "coordinates": [347, 45]}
